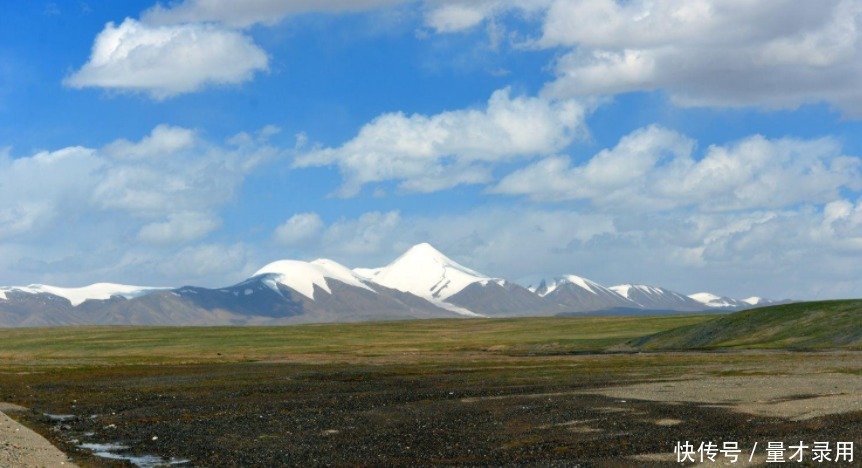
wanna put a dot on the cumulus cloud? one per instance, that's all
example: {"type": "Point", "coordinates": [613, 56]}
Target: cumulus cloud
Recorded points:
{"type": "Point", "coordinates": [165, 61]}
{"type": "Point", "coordinates": [777, 54]}
{"type": "Point", "coordinates": [121, 211]}
{"type": "Point", "coordinates": [299, 229]}
{"type": "Point", "coordinates": [655, 169]}
{"type": "Point", "coordinates": [429, 153]}
{"type": "Point", "coordinates": [774, 54]}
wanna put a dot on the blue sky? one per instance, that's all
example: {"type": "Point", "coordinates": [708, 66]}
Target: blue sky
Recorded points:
{"type": "Point", "coordinates": [696, 145]}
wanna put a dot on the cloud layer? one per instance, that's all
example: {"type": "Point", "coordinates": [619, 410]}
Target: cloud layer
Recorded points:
{"type": "Point", "coordinates": [774, 54]}
{"type": "Point", "coordinates": [654, 169]}
{"type": "Point", "coordinates": [123, 209]}
{"type": "Point", "coordinates": [430, 153]}
{"type": "Point", "coordinates": [768, 54]}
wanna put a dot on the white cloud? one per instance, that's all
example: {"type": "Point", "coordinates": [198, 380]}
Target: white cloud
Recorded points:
{"type": "Point", "coordinates": [163, 141]}
{"type": "Point", "coordinates": [429, 153]}
{"type": "Point", "coordinates": [770, 54]}
{"type": "Point", "coordinates": [654, 169]}
{"type": "Point", "coordinates": [39, 190]}
{"type": "Point", "coordinates": [450, 16]}
{"type": "Point", "coordinates": [170, 172]}
{"type": "Point", "coordinates": [776, 54]}
{"type": "Point", "coordinates": [179, 228]}
{"type": "Point", "coordinates": [299, 229]}
{"type": "Point", "coordinates": [165, 61]}
{"type": "Point", "coordinates": [457, 16]}
{"type": "Point", "coordinates": [250, 12]}
{"type": "Point", "coordinates": [119, 212]}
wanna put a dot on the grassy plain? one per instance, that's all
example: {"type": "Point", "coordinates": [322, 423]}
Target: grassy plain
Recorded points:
{"type": "Point", "coordinates": [70, 346]}
{"type": "Point", "coordinates": [536, 391]}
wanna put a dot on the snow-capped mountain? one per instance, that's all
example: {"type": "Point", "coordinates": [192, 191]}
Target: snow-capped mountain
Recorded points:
{"type": "Point", "coordinates": [655, 298]}
{"type": "Point", "coordinates": [77, 296]}
{"type": "Point", "coordinates": [756, 301]}
{"type": "Point", "coordinates": [421, 283]}
{"type": "Point", "coordinates": [715, 301]}
{"type": "Point", "coordinates": [577, 294]}
{"type": "Point", "coordinates": [425, 272]}
{"type": "Point", "coordinates": [305, 277]}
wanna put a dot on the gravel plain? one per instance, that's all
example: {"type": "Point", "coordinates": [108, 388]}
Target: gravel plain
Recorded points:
{"type": "Point", "coordinates": [578, 410]}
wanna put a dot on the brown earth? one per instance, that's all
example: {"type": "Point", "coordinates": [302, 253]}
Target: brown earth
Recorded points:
{"type": "Point", "coordinates": [580, 410]}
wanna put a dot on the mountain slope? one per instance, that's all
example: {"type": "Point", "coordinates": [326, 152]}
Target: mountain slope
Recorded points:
{"type": "Point", "coordinates": [500, 298]}
{"type": "Point", "coordinates": [305, 277]}
{"type": "Point", "coordinates": [77, 296]}
{"type": "Point", "coordinates": [655, 298]}
{"type": "Point", "coordinates": [718, 302]}
{"type": "Point", "coordinates": [573, 293]}
{"type": "Point", "coordinates": [425, 272]}
{"type": "Point", "coordinates": [282, 292]}
{"type": "Point", "coordinates": [801, 325]}
{"type": "Point", "coordinates": [421, 283]}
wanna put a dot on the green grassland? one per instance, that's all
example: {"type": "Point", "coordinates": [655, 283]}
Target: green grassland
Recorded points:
{"type": "Point", "coordinates": [345, 342]}
{"type": "Point", "coordinates": [813, 325]}
{"type": "Point", "coordinates": [803, 326]}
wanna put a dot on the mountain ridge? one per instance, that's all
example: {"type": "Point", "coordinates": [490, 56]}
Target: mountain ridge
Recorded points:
{"type": "Point", "coordinates": [421, 283]}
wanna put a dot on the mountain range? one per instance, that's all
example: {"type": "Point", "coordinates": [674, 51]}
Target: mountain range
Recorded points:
{"type": "Point", "coordinates": [421, 283]}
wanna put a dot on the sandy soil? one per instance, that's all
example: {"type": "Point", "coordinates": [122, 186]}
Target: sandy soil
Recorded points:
{"type": "Point", "coordinates": [20, 446]}
{"type": "Point", "coordinates": [795, 397]}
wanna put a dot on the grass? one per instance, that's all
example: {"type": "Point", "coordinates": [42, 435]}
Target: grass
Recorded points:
{"type": "Point", "coordinates": [803, 326]}
{"type": "Point", "coordinates": [152, 345]}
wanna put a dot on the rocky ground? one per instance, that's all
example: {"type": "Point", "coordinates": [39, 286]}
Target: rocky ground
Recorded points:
{"type": "Point", "coordinates": [543, 410]}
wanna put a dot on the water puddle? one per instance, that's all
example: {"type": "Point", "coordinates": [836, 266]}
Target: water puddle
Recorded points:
{"type": "Point", "coordinates": [114, 451]}
{"type": "Point", "coordinates": [60, 417]}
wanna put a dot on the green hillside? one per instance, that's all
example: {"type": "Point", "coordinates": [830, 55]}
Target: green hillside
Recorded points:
{"type": "Point", "coordinates": [804, 325]}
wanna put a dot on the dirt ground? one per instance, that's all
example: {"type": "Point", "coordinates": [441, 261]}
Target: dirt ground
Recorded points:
{"type": "Point", "coordinates": [580, 410]}
{"type": "Point", "coordinates": [19, 446]}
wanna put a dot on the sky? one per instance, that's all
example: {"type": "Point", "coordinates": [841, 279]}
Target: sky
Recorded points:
{"type": "Point", "coordinates": [699, 145]}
